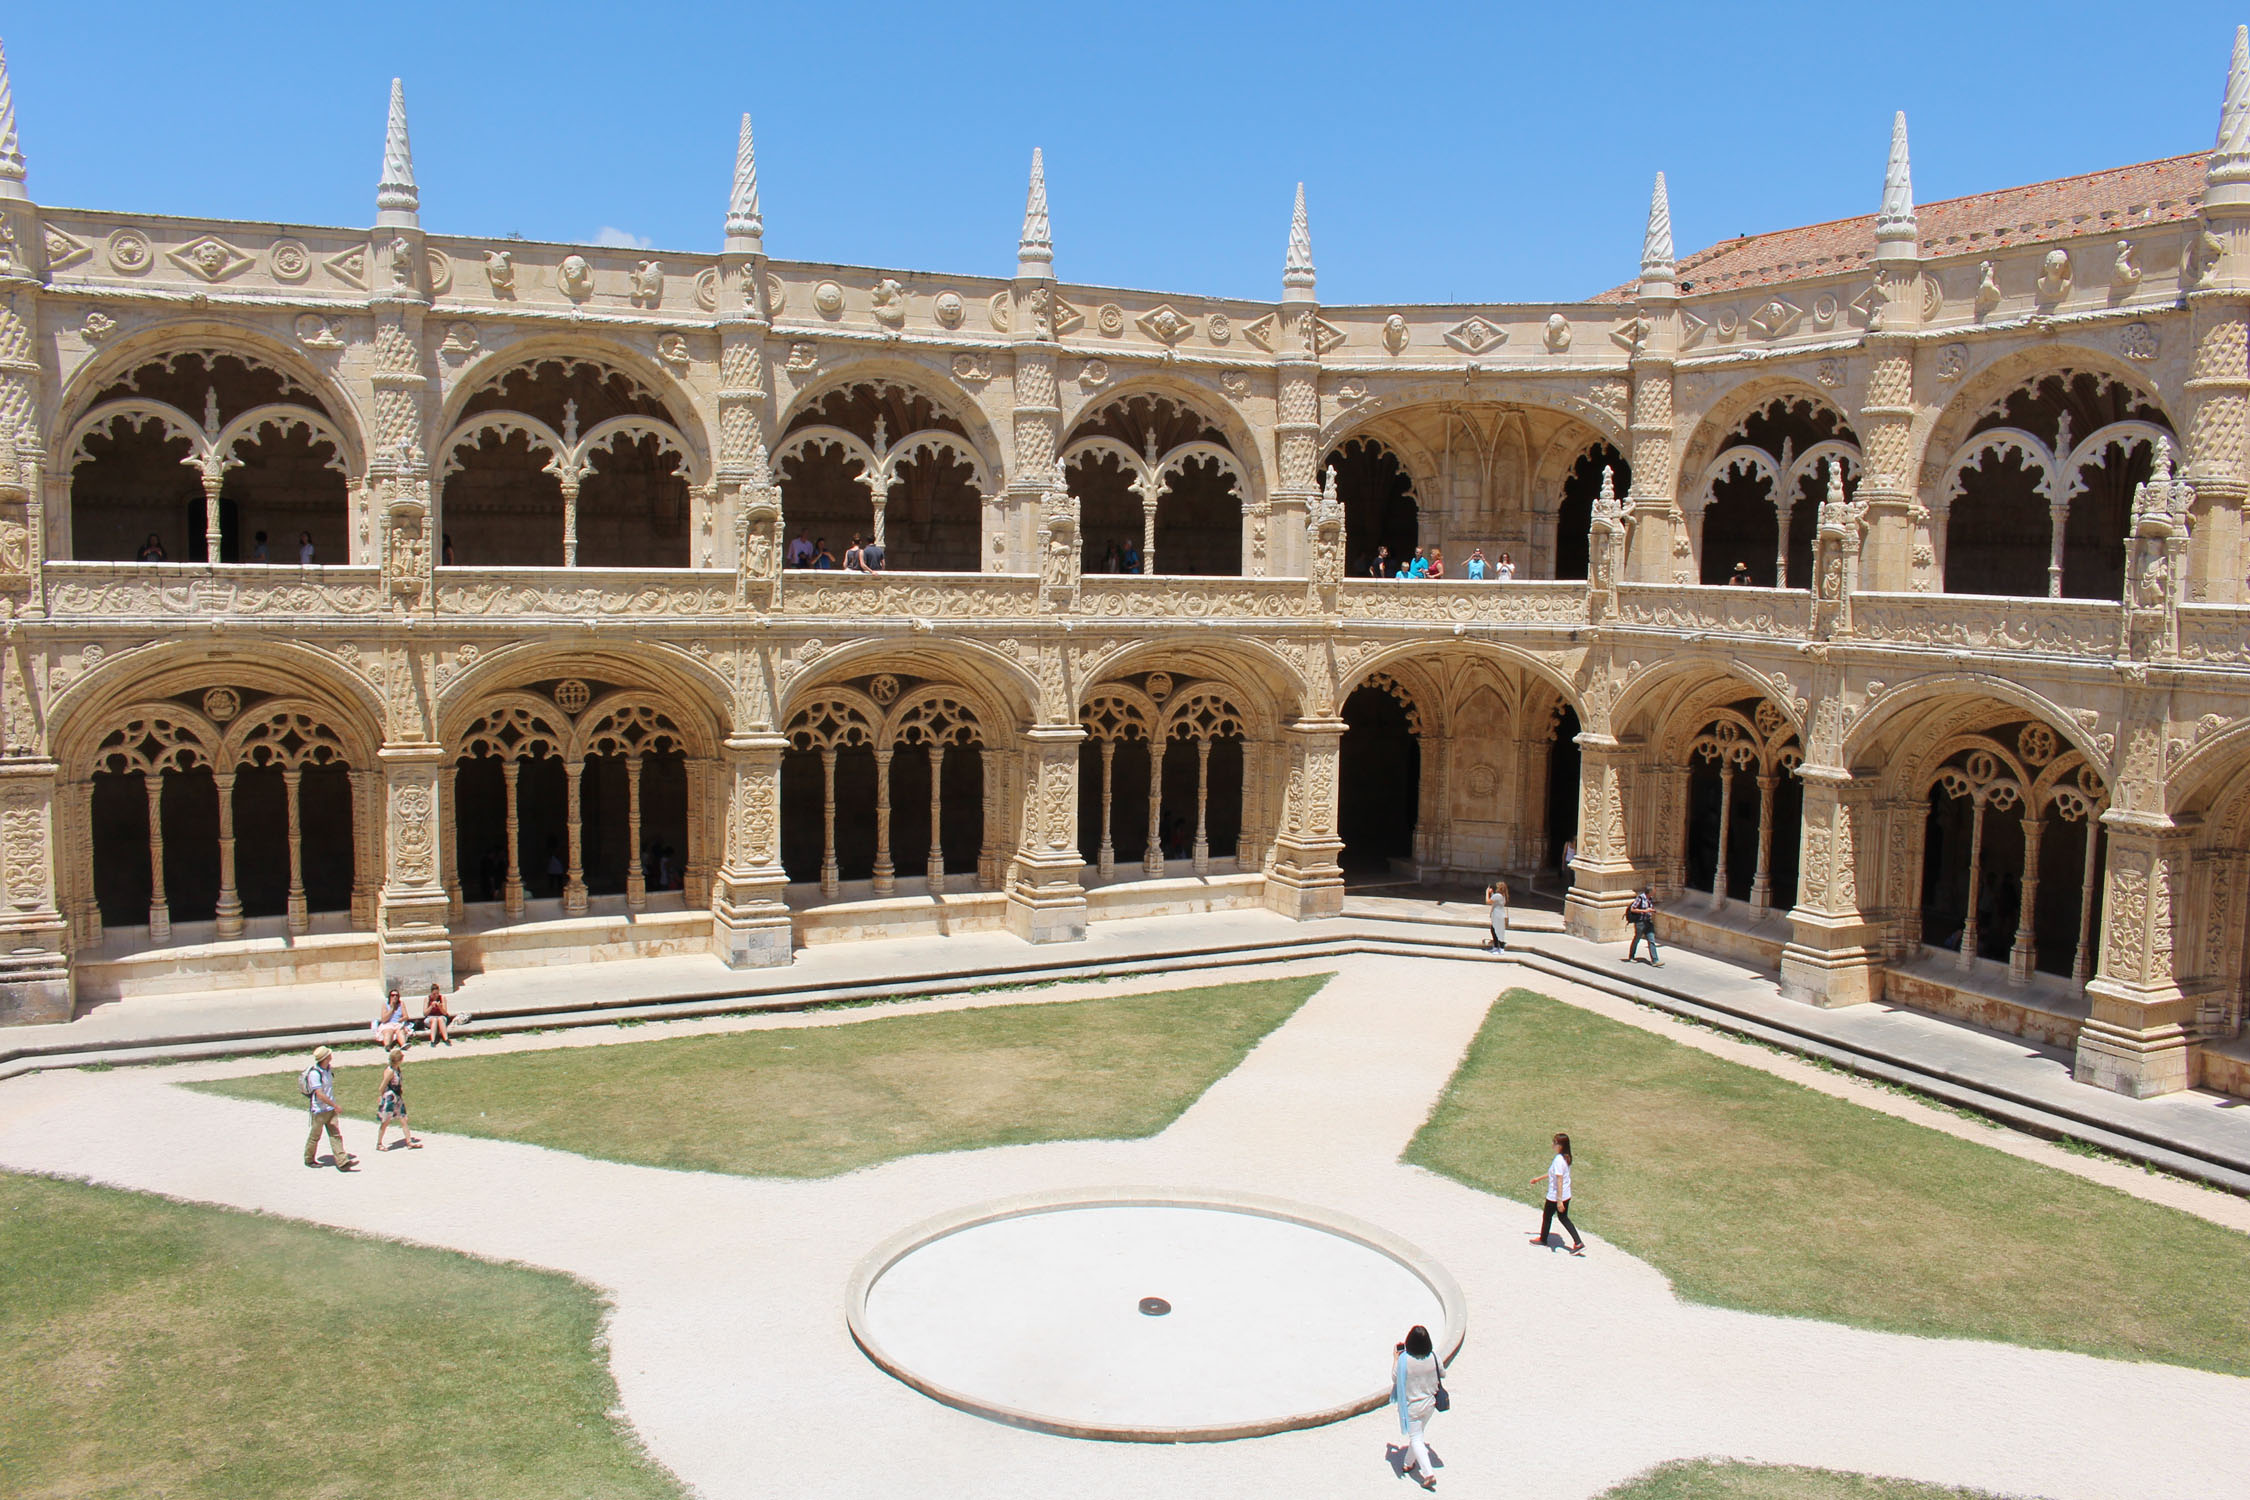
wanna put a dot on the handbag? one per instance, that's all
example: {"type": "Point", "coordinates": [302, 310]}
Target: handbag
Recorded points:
{"type": "Point", "coordinates": [1443, 1401]}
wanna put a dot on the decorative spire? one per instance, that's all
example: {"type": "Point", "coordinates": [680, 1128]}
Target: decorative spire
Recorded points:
{"type": "Point", "coordinates": [396, 201]}
{"type": "Point", "coordinates": [1297, 273]}
{"type": "Point", "coordinates": [746, 223]}
{"type": "Point", "coordinates": [1896, 223]}
{"type": "Point", "coordinates": [1035, 252]}
{"type": "Point", "coordinates": [1656, 245]}
{"type": "Point", "coordinates": [2230, 159]}
{"type": "Point", "coordinates": [11, 155]}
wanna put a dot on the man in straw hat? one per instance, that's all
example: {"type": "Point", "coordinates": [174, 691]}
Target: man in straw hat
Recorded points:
{"type": "Point", "coordinates": [319, 1086]}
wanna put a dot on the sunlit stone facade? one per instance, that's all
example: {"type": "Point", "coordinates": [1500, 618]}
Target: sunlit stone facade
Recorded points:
{"type": "Point", "coordinates": [1974, 736]}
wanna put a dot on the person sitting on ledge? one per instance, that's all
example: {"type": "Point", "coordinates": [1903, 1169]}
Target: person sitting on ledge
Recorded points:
{"type": "Point", "coordinates": [437, 1018]}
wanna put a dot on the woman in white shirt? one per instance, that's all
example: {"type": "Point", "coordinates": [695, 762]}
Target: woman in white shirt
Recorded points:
{"type": "Point", "coordinates": [1506, 572]}
{"type": "Point", "coordinates": [1416, 1377]}
{"type": "Point", "coordinates": [1557, 1178]}
{"type": "Point", "coordinates": [1496, 904]}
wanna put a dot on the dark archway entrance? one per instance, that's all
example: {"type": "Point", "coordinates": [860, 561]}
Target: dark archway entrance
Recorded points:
{"type": "Point", "coordinates": [1574, 517]}
{"type": "Point", "coordinates": [1379, 506]}
{"type": "Point", "coordinates": [1381, 785]}
{"type": "Point", "coordinates": [1562, 789]}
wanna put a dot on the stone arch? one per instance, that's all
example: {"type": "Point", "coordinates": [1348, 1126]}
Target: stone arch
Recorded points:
{"type": "Point", "coordinates": [490, 366]}
{"type": "Point", "coordinates": [896, 758]}
{"type": "Point", "coordinates": [1944, 430]}
{"type": "Point", "coordinates": [1274, 687]}
{"type": "Point", "coordinates": [1652, 701]}
{"type": "Point", "coordinates": [207, 447]}
{"type": "Point", "coordinates": [1159, 477]}
{"type": "Point", "coordinates": [594, 437]}
{"type": "Point", "coordinates": [1737, 405]}
{"type": "Point", "coordinates": [1349, 421]}
{"type": "Point", "coordinates": [283, 764]}
{"type": "Point", "coordinates": [931, 380]}
{"type": "Point", "coordinates": [1755, 500]}
{"type": "Point", "coordinates": [2035, 497]}
{"type": "Point", "coordinates": [1080, 403]}
{"type": "Point", "coordinates": [882, 450]}
{"type": "Point", "coordinates": [1866, 733]}
{"type": "Point", "coordinates": [1006, 693]}
{"type": "Point", "coordinates": [217, 334]}
{"type": "Point", "coordinates": [692, 686]}
{"type": "Point", "coordinates": [1577, 471]}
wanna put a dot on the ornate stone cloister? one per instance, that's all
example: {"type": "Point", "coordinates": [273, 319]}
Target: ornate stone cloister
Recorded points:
{"type": "Point", "coordinates": [387, 605]}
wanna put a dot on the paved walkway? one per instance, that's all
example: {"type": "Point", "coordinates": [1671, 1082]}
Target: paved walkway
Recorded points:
{"type": "Point", "coordinates": [733, 1363]}
{"type": "Point", "coordinates": [2197, 1131]}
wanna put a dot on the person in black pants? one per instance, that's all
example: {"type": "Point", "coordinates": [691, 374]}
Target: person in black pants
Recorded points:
{"type": "Point", "coordinates": [1642, 914]}
{"type": "Point", "coordinates": [1557, 1206]}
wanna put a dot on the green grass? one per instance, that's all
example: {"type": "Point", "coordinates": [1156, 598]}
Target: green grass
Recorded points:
{"type": "Point", "coordinates": [152, 1348]}
{"type": "Point", "coordinates": [817, 1101]}
{"type": "Point", "coordinates": [1721, 1479]}
{"type": "Point", "coordinates": [1753, 1192]}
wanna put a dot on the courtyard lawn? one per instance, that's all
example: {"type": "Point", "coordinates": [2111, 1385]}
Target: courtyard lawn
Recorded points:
{"type": "Point", "coordinates": [1753, 1192]}
{"type": "Point", "coordinates": [158, 1348]}
{"type": "Point", "coordinates": [818, 1101]}
{"type": "Point", "coordinates": [1722, 1479]}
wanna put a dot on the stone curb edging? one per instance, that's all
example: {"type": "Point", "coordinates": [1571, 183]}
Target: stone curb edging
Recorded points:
{"type": "Point", "coordinates": [895, 1249]}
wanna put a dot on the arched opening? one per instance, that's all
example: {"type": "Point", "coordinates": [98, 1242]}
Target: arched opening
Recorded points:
{"type": "Point", "coordinates": [1745, 807]}
{"type": "Point", "coordinates": [511, 805]}
{"type": "Point", "coordinates": [1563, 771]}
{"type": "Point", "coordinates": [2013, 853]}
{"type": "Point", "coordinates": [2038, 498]}
{"type": "Point", "coordinates": [1381, 515]}
{"type": "Point", "coordinates": [1761, 495]}
{"type": "Point", "coordinates": [884, 779]}
{"type": "Point", "coordinates": [1113, 773]}
{"type": "Point", "coordinates": [1159, 488]}
{"type": "Point", "coordinates": [1574, 514]}
{"type": "Point", "coordinates": [878, 458]}
{"type": "Point", "coordinates": [235, 808]}
{"type": "Point", "coordinates": [136, 473]}
{"type": "Point", "coordinates": [564, 462]}
{"type": "Point", "coordinates": [1380, 778]}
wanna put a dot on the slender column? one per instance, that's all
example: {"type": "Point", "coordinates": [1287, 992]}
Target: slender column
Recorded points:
{"type": "Point", "coordinates": [570, 522]}
{"type": "Point", "coordinates": [829, 881]}
{"type": "Point", "coordinates": [886, 874]}
{"type": "Point", "coordinates": [1969, 934]}
{"type": "Point", "coordinates": [882, 501]}
{"type": "Point", "coordinates": [574, 821]}
{"type": "Point", "coordinates": [636, 877]}
{"type": "Point", "coordinates": [214, 479]}
{"type": "Point", "coordinates": [2058, 522]}
{"type": "Point", "coordinates": [1148, 534]}
{"type": "Point", "coordinates": [513, 892]}
{"type": "Point", "coordinates": [1109, 853]}
{"type": "Point", "coordinates": [1726, 824]}
{"type": "Point", "coordinates": [1153, 864]}
{"type": "Point", "coordinates": [159, 910]}
{"type": "Point", "coordinates": [937, 807]}
{"type": "Point", "coordinates": [2023, 958]}
{"type": "Point", "coordinates": [1202, 806]}
{"type": "Point", "coordinates": [300, 920]}
{"type": "Point", "coordinates": [1761, 879]}
{"type": "Point", "coordinates": [1784, 512]}
{"type": "Point", "coordinates": [2082, 962]}
{"type": "Point", "coordinates": [230, 900]}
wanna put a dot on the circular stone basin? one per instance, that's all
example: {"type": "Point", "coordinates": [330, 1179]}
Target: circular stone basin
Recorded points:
{"type": "Point", "coordinates": [1149, 1316]}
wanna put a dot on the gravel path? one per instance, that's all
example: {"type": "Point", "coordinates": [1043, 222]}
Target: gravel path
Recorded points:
{"type": "Point", "coordinates": [733, 1362]}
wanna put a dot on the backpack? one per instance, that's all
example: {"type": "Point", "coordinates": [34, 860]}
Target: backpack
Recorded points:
{"type": "Point", "coordinates": [307, 1081]}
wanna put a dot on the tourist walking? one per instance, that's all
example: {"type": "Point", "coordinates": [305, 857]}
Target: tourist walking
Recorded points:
{"type": "Point", "coordinates": [390, 1027]}
{"type": "Point", "coordinates": [1642, 914]}
{"type": "Point", "coordinates": [437, 1017]}
{"type": "Point", "coordinates": [1557, 1178]}
{"type": "Point", "coordinates": [1417, 1381]}
{"type": "Point", "coordinates": [1496, 902]}
{"type": "Point", "coordinates": [391, 1108]}
{"type": "Point", "coordinates": [318, 1084]}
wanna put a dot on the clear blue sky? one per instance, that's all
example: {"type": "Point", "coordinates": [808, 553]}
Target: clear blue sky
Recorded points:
{"type": "Point", "coordinates": [1474, 152]}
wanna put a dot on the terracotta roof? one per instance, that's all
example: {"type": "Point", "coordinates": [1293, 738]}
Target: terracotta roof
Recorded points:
{"type": "Point", "coordinates": [2152, 192]}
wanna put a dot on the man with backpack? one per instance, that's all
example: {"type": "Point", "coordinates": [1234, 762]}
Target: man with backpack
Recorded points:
{"type": "Point", "coordinates": [318, 1085]}
{"type": "Point", "coordinates": [1642, 914]}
